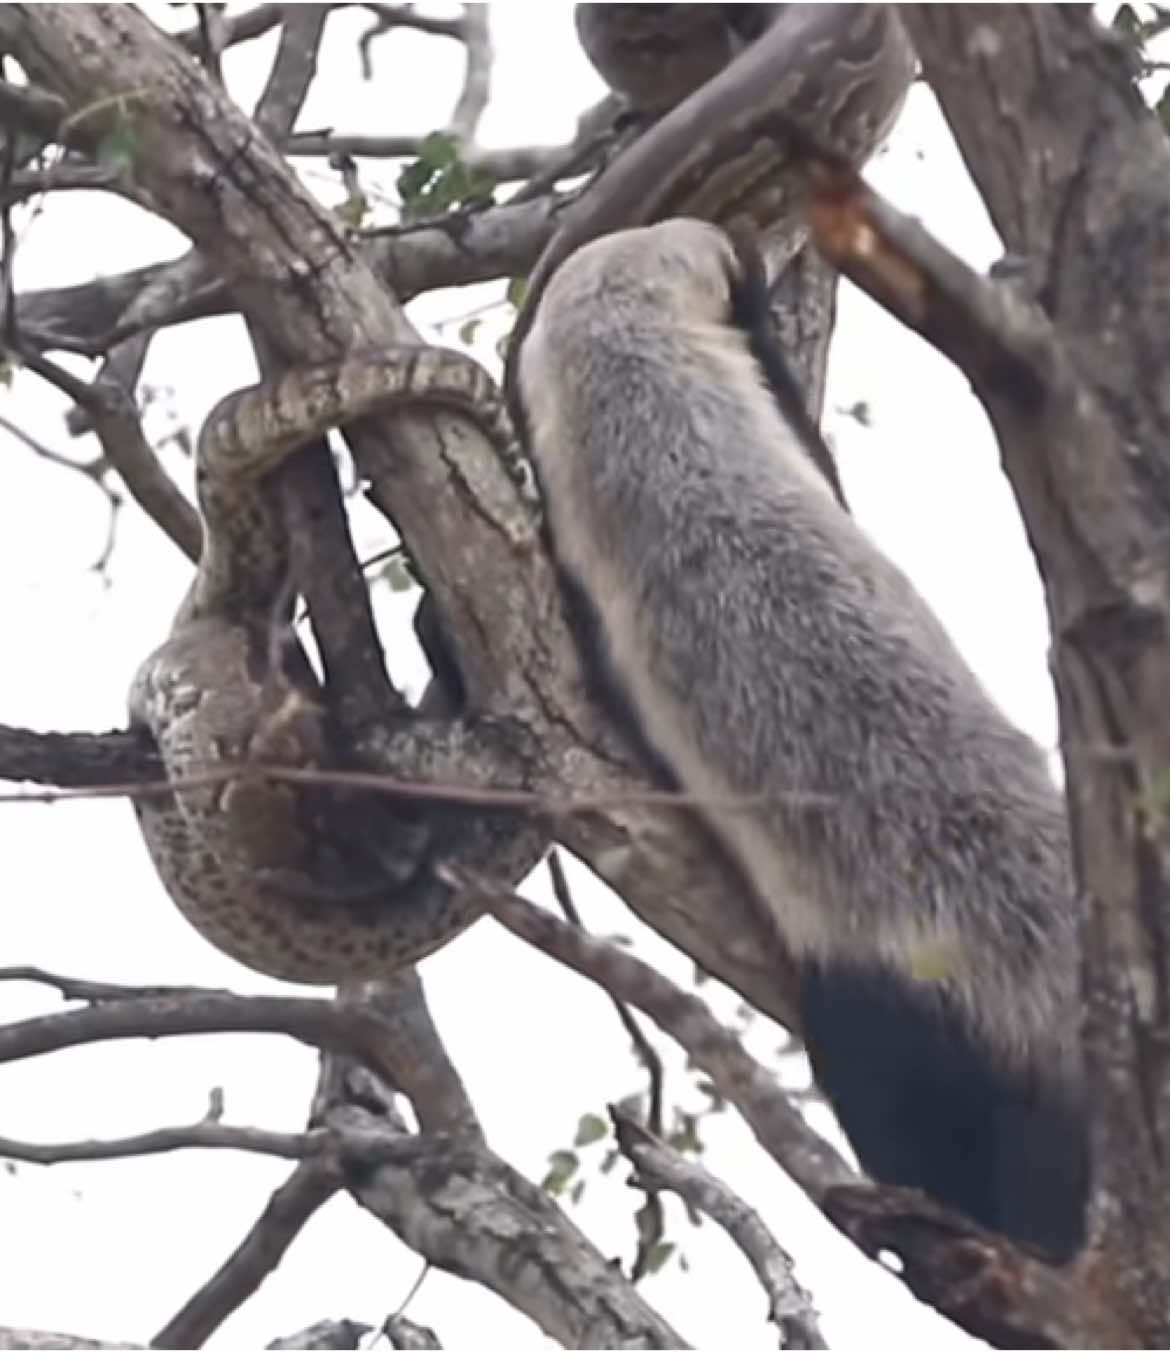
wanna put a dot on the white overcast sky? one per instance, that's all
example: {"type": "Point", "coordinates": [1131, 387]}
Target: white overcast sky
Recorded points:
{"type": "Point", "coordinates": [114, 1249]}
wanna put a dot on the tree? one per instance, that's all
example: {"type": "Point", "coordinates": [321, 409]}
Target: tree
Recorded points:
{"type": "Point", "coordinates": [1071, 165]}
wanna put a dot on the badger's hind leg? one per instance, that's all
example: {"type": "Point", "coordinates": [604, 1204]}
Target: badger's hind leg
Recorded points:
{"type": "Point", "coordinates": [927, 1106]}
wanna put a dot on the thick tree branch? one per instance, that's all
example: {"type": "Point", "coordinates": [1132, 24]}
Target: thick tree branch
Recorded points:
{"type": "Point", "coordinates": [77, 759]}
{"type": "Point", "coordinates": [468, 1212]}
{"type": "Point", "coordinates": [423, 1070]}
{"type": "Point", "coordinates": [292, 71]}
{"type": "Point", "coordinates": [1075, 172]}
{"type": "Point", "coordinates": [88, 318]}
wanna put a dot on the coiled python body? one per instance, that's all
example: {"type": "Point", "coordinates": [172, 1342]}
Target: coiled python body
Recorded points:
{"type": "Point", "coordinates": [293, 881]}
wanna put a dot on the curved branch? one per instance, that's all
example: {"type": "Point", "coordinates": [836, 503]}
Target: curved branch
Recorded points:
{"type": "Point", "coordinates": [119, 429]}
{"type": "Point", "coordinates": [292, 70]}
{"type": "Point", "coordinates": [207, 1136]}
{"type": "Point", "coordinates": [353, 1030]}
{"type": "Point", "coordinates": [477, 75]}
{"type": "Point", "coordinates": [658, 1167]}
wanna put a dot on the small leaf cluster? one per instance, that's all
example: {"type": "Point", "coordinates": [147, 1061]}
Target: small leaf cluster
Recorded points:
{"type": "Point", "coordinates": [439, 180]}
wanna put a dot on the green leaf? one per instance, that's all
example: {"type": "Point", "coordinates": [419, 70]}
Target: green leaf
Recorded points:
{"type": "Point", "coordinates": [591, 1128]}
{"type": "Point", "coordinates": [562, 1167]}
{"type": "Point", "coordinates": [397, 575]}
{"type": "Point", "coordinates": [517, 290]}
{"type": "Point", "coordinates": [413, 179]}
{"type": "Point", "coordinates": [577, 1192]}
{"type": "Point", "coordinates": [353, 211]}
{"type": "Point", "coordinates": [658, 1254]}
{"type": "Point", "coordinates": [468, 330]}
{"type": "Point", "coordinates": [439, 150]}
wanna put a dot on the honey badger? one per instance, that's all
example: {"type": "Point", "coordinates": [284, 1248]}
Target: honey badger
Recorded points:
{"type": "Point", "coordinates": [906, 839]}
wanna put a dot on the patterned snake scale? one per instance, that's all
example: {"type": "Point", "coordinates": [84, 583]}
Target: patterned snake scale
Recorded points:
{"type": "Point", "coordinates": [287, 879]}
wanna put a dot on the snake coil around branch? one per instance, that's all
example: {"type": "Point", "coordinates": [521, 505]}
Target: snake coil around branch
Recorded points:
{"type": "Point", "coordinates": [299, 882]}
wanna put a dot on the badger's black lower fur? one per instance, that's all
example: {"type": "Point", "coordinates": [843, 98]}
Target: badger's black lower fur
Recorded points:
{"type": "Point", "coordinates": [926, 1107]}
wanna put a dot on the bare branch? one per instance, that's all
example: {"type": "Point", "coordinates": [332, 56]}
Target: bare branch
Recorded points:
{"type": "Point", "coordinates": [88, 469]}
{"type": "Point", "coordinates": [645, 1051]}
{"type": "Point", "coordinates": [353, 1030]}
{"type": "Point", "coordinates": [10, 1337]}
{"type": "Point", "coordinates": [63, 176]}
{"type": "Point", "coordinates": [292, 70]}
{"type": "Point", "coordinates": [77, 758]}
{"type": "Point", "coordinates": [166, 294]}
{"type": "Point", "coordinates": [504, 166]}
{"type": "Point", "coordinates": [236, 28]}
{"type": "Point", "coordinates": [119, 429]}
{"type": "Point", "coordinates": [492, 243]}
{"type": "Point", "coordinates": [310, 1185]}
{"type": "Point", "coordinates": [477, 75]}
{"type": "Point", "coordinates": [83, 989]}
{"type": "Point", "coordinates": [204, 1135]}
{"type": "Point", "coordinates": [658, 1167]}
{"type": "Point", "coordinates": [389, 17]}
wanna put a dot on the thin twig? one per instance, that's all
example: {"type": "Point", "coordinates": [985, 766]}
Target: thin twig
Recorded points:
{"type": "Point", "coordinates": [119, 430]}
{"type": "Point", "coordinates": [389, 17]}
{"type": "Point", "coordinates": [237, 28]}
{"type": "Point", "coordinates": [504, 165]}
{"type": "Point", "coordinates": [94, 993]}
{"type": "Point", "coordinates": [658, 1167]}
{"type": "Point", "coordinates": [204, 1135]}
{"type": "Point", "coordinates": [93, 470]}
{"type": "Point", "coordinates": [431, 791]}
{"type": "Point", "coordinates": [644, 1050]}
{"type": "Point", "coordinates": [651, 1219]}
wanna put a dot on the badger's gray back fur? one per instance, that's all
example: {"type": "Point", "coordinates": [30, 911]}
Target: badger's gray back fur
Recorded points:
{"type": "Point", "coordinates": [769, 649]}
